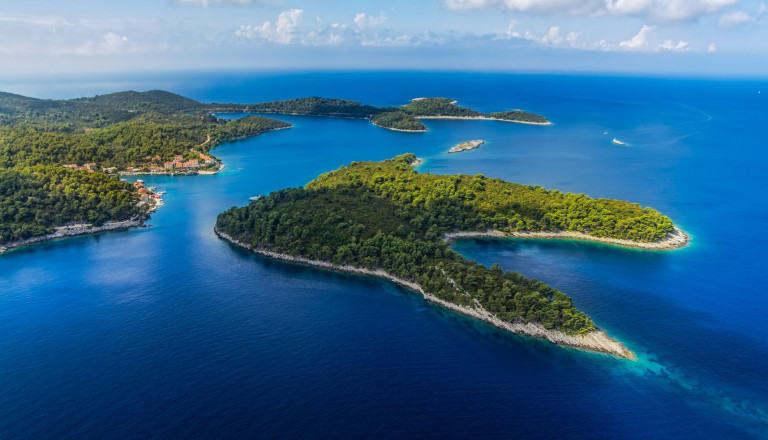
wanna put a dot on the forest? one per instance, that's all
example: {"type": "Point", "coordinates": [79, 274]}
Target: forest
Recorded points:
{"type": "Point", "coordinates": [404, 117]}
{"type": "Point", "coordinates": [385, 215]}
{"type": "Point", "coordinates": [108, 133]}
{"type": "Point", "coordinates": [35, 199]}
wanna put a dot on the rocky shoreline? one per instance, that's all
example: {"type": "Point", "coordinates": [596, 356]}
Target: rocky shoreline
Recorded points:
{"type": "Point", "coordinates": [596, 340]}
{"type": "Point", "coordinates": [400, 129]}
{"type": "Point", "coordinates": [674, 240]}
{"type": "Point", "coordinates": [73, 231]}
{"type": "Point", "coordinates": [484, 118]}
{"type": "Point", "coordinates": [466, 146]}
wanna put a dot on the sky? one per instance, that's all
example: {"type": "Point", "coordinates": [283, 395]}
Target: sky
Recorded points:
{"type": "Point", "coordinates": [701, 37]}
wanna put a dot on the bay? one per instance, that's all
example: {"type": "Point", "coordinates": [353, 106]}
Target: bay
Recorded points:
{"type": "Point", "coordinates": [169, 332]}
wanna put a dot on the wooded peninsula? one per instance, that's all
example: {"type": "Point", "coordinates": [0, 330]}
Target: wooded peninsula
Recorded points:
{"type": "Point", "coordinates": [56, 155]}
{"type": "Point", "coordinates": [59, 159]}
{"type": "Point", "coordinates": [403, 118]}
{"type": "Point", "coordinates": [386, 219]}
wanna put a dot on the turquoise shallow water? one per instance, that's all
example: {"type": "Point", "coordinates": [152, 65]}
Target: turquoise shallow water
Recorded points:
{"type": "Point", "coordinates": [167, 331]}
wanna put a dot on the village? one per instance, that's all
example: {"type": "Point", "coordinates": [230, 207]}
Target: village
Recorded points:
{"type": "Point", "coordinates": [178, 165]}
{"type": "Point", "coordinates": [148, 195]}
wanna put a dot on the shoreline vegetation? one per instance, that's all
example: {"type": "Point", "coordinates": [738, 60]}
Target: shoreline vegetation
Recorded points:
{"type": "Point", "coordinates": [386, 219]}
{"type": "Point", "coordinates": [406, 118]}
{"type": "Point", "coordinates": [673, 240]}
{"type": "Point", "coordinates": [416, 162]}
{"type": "Point", "coordinates": [61, 160]}
{"type": "Point", "coordinates": [75, 230]}
{"type": "Point", "coordinates": [595, 340]}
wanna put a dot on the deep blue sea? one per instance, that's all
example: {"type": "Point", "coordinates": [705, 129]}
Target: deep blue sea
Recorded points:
{"type": "Point", "coordinates": [169, 332]}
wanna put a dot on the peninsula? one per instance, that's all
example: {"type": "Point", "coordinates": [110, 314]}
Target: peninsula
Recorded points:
{"type": "Point", "coordinates": [466, 146]}
{"type": "Point", "coordinates": [60, 159]}
{"type": "Point", "coordinates": [53, 150]}
{"type": "Point", "coordinates": [404, 118]}
{"type": "Point", "coordinates": [387, 220]}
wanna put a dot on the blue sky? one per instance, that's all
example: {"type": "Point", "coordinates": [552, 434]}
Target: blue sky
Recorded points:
{"type": "Point", "coordinates": [709, 37]}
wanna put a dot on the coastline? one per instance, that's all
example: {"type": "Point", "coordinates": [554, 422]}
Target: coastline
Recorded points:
{"type": "Point", "coordinates": [596, 340]}
{"type": "Point", "coordinates": [73, 231]}
{"type": "Point", "coordinates": [209, 173]}
{"type": "Point", "coordinates": [202, 173]}
{"type": "Point", "coordinates": [399, 129]}
{"type": "Point", "coordinates": [674, 240]}
{"type": "Point", "coordinates": [483, 118]}
{"type": "Point", "coordinates": [466, 146]}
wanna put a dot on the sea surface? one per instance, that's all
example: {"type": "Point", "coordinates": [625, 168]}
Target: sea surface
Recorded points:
{"type": "Point", "coordinates": [169, 332]}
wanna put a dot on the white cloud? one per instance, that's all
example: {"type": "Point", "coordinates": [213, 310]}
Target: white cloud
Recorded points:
{"type": "Point", "coordinates": [735, 19]}
{"type": "Point", "coordinates": [207, 3]}
{"type": "Point", "coordinates": [509, 33]}
{"type": "Point", "coordinates": [656, 10]}
{"type": "Point", "coordinates": [109, 44]}
{"type": "Point", "coordinates": [363, 20]}
{"type": "Point", "coordinates": [666, 10]}
{"type": "Point", "coordinates": [552, 36]}
{"type": "Point", "coordinates": [640, 40]}
{"type": "Point", "coordinates": [680, 46]}
{"type": "Point", "coordinates": [571, 6]}
{"type": "Point", "coordinates": [711, 48]}
{"type": "Point", "coordinates": [283, 31]}
{"type": "Point", "coordinates": [400, 40]}
{"type": "Point", "coordinates": [53, 21]}
{"type": "Point", "coordinates": [389, 40]}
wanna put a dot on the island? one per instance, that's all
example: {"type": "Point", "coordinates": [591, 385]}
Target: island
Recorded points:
{"type": "Point", "coordinates": [466, 146]}
{"type": "Point", "coordinates": [404, 118]}
{"type": "Point", "coordinates": [387, 220]}
{"type": "Point", "coordinates": [72, 145]}
{"type": "Point", "coordinates": [60, 160]}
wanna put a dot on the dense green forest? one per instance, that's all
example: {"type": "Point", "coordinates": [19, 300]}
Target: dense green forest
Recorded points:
{"type": "Point", "coordinates": [480, 203]}
{"type": "Point", "coordinates": [140, 131]}
{"type": "Point", "coordinates": [135, 142]}
{"type": "Point", "coordinates": [109, 132]}
{"type": "Point", "coordinates": [399, 118]}
{"type": "Point", "coordinates": [519, 116]}
{"type": "Point", "coordinates": [316, 107]}
{"type": "Point", "coordinates": [386, 215]}
{"type": "Point", "coordinates": [35, 199]}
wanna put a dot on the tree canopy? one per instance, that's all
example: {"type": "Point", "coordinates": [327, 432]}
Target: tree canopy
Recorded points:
{"type": "Point", "coordinates": [126, 129]}
{"type": "Point", "coordinates": [385, 215]}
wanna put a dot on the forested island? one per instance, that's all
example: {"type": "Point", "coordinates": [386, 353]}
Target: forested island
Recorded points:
{"type": "Point", "coordinates": [59, 159]}
{"type": "Point", "coordinates": [386, 219]}
{"type": "Point", "coordinates": [56, 155]}
{"type": "Point", "coordinates": [403, 118]}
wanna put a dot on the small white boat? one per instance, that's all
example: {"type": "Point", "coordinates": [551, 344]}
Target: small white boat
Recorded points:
{"type": "Point", "coordinates": [618, 142]}
{"type": "Point", "coordinates": [254, 198]}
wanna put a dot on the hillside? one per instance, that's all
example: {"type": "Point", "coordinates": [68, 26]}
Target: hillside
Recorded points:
{"type": "Point", "coordinates": [55, 154]}
{"type": "Point", "coordinates": [384, 216]}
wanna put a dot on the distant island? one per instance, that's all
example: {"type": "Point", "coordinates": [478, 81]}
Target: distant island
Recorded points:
{"type": "Point", "coordinates": [387, 220]}
{"type": "Point", "coordinates": [466, 146]}
{"type": "Point", "coordinates": [60, 159]}
{"type": "Point", "coordinates": [404, 118]}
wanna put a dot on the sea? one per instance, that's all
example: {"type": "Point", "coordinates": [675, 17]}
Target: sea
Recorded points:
{"type": "Point", "coordinates": [169, 332]}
